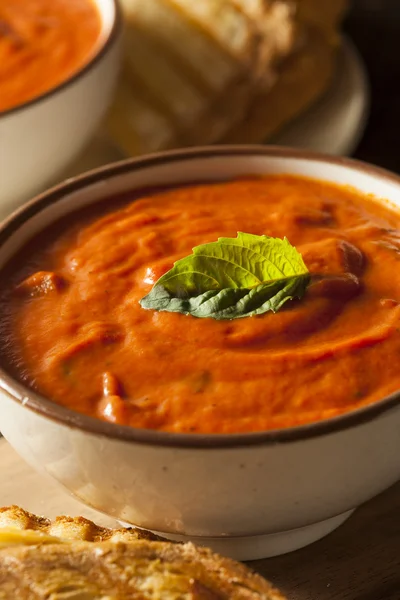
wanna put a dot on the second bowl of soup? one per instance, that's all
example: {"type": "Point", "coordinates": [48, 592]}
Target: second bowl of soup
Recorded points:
{"type": "Point", "coordinates": [58, 68]}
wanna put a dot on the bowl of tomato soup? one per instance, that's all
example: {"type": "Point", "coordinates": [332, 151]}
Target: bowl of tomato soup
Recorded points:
{"type": "Point", "coordinates": [255, 433]}
{"type": "Point", "coordinates": [58, 66]}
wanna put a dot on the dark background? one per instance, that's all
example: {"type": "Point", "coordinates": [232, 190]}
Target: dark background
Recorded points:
{"type": "Point", "coordinates": [374, 26]}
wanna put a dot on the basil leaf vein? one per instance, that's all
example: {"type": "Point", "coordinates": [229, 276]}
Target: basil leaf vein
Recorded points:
{"type": "Point", "coordinates": [232, 278]}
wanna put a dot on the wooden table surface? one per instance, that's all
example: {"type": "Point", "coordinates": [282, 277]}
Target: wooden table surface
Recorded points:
{"type": "Point", "coordinates": [359, 561]}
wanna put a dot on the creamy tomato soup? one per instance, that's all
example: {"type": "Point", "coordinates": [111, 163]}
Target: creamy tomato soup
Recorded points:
{"type": "Point", "coordinates": [72, 327]}
{"type": "Point", "coordinates": [42, 43]}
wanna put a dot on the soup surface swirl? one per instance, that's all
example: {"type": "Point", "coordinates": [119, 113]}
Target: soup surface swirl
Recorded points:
{"type": "Point", "coordinates": [72, 328]}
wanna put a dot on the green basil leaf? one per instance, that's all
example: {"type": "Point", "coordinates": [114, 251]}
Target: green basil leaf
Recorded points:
{"type": "Point", "coordinates": [232, 278]}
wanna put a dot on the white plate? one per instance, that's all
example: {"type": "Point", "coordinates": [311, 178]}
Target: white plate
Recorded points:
{"type": "Point", "coordinates": [333, 125]}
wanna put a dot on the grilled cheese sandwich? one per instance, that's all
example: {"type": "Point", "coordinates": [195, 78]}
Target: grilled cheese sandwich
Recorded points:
{"type": "Point", "coordinates": [74, 559]}
{"type": "Point", "coordinates": [198, 72]}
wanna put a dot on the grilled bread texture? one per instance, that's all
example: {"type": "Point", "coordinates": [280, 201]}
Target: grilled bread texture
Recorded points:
{"type": "Point", "coordinates": [74, 559]}
{"type": "Point", "coordinates": [195, 72]}
{"type": "Point", "coordinates": [303, 79]}
{"type": "Point", "coordinates": [66, 528]}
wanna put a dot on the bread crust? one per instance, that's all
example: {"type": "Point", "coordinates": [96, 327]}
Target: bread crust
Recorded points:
{"type": "Point", "coordinates": [304, 78]}
{"type": "Point", "coordinates": [69, 528]}
{"type": "Point", "coordinates": [117, 564]}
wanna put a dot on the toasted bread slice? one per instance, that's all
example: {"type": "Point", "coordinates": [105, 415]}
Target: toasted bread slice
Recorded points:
{"type": "Point", "coordinates": [217, 38]}
{"type": "Point", "coordinates": [113, 565]}
{"type": "Point", "coordinates": [126, 571]}
{"type": "Point", "coordinates": [191, 68]}
{"type": "Point", "coordinates": [304, 77]}
{"type": "Point", "coordinates": [67, 528]}
{"type": "Point", "coordinates": [219, 70]}
{"type": "Point", "coordinates": [191, 47]}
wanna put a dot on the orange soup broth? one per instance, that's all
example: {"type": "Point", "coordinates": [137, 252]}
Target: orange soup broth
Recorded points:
{"type": "Point", "coordinates": [73, 330]}
{"type": "Point", "coordinates": [43, 43]}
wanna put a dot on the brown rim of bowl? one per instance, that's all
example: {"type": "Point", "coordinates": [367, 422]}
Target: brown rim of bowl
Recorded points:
{"type": "Point", "coordinates": [46, 408]}
{"type": "Point", "coordinates": [92, 62]}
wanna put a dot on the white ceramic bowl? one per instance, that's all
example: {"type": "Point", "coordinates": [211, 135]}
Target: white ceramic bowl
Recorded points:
{"type": "Point", "coordinates": [40, 138]}
{"type": "Point", "coordinates": [246, 495]}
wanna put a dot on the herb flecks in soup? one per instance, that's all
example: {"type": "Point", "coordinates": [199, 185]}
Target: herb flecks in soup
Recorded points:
{"type": "Point", "coordinates": [43, 43]}
{"type": "Point", "coordinates": [73, 329]}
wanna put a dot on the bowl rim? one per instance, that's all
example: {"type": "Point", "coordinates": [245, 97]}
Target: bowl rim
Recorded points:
{"type": "Point", "coordinates": [46, 408]}
{"type": "Point", "coordinates": [101, 51]}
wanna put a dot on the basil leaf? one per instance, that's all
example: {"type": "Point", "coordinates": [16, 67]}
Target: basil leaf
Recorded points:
{"type": "Point", "coordinates": [232, 278]}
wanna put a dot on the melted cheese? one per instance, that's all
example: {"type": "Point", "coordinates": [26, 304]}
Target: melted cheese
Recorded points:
{"type": "Point", "coordinates": [25, 537]}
